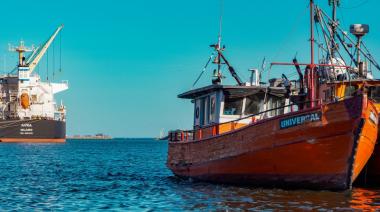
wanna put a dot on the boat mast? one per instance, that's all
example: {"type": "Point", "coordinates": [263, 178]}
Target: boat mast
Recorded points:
{"type": "Point", "coordinates": [219, 49]}
{"type": "Point", "coordinates": [220, 37]}
{"type": "Point", "coordinates": [312, 32]}
{"type": "Point", "coordinates": [312, 64]}
{"type": "Point", "coordinates": [218, 59]}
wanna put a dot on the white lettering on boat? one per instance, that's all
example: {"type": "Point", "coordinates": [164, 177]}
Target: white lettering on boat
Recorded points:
{"type": "Point", "coordinates": [299, 120]}
{"type": "Point", "coordinates": [26, 125]}
{"type": "Point", "coordinates": [26, 129]}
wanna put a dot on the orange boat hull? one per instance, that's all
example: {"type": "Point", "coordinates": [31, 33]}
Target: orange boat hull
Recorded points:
{"type": "Point", "coordinates": [327, 154]}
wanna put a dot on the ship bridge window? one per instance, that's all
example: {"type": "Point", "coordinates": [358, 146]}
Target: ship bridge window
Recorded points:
{"type": "Point", "coordinates": [233, 106]}
{"type": "Point", "coordinates": [253, 104]}
{"type": "Point", "coordinates": [350, 90]}
{"type": "Point", "coordinates": [276, 102]}
{"type": "Point", "coordinates": [374, 93]}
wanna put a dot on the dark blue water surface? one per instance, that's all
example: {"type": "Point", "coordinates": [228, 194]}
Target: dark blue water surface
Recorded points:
{"type": "Point", "coordinates": [131, 175]}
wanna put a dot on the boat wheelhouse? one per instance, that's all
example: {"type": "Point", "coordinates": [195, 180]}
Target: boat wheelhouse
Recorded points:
{"type": "Point", "coordinates": [227, 108]}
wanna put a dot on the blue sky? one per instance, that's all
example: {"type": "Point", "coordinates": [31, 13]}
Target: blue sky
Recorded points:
{"type": "Point", "coordinates": [126, 61]}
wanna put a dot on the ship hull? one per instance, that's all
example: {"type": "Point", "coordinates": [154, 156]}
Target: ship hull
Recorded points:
{"type": "Point", "coordinates": [326, 154]}
{"type": "Point", "coordinates": [36, 131]}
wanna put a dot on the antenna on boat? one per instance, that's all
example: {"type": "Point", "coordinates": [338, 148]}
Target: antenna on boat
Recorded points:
{"type": "Point", "coordinates": [220, 59]}
{"type": "Point", "coordinates": [220, 23]}
{"type": "Point", "coordinates": [218, 47]}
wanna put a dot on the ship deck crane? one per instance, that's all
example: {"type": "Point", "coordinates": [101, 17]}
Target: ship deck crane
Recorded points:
{"type": "Point", "coordinates": [38, 53]}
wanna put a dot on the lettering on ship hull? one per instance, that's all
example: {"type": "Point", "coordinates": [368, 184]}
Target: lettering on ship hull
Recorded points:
{"type": "Point", "coordinates": [299, 120]}
{"type": "Point", "coordinates": [26, 129]}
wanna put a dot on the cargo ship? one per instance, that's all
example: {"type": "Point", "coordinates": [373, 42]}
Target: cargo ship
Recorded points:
{"type": "Point", "coordinates": [315, 132]}
{"type": "Point", "coordinates": [29, 112]}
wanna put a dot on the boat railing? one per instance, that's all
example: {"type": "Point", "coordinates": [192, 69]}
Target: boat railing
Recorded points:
{"type": "Point", "coordinates": [216, 129]}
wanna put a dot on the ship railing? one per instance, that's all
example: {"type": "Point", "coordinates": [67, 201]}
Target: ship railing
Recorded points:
{"type": "Point", "coordinates": [217, 129]}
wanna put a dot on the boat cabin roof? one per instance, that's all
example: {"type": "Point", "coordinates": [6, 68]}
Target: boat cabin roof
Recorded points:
{"type": "Point", "coordinates": [233, 91]}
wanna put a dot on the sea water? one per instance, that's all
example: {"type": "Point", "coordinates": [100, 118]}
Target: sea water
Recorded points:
{"type": "Point", "coordinates": [130, 174]}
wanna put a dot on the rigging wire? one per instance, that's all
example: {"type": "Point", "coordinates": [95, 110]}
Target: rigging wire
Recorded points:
{"type": "Point", "coordinates": [341, 16]}
{"type": "Point", "coordinates": [365, 53]}
{"type": "Point", "coordinates": [292, 31]}
{"type": "Point", "coordinates": [204, 69]}
{"type": "Point", "coordinates": [53, 59]}
{"type": "Point", "coordinates": [362, 3]}
{"type": "Point", "coordinates": [319, 45]}
{"type": "Point", "coordinates": [47, 65]}
{"type": "Point", "coordinates": [60, 52]}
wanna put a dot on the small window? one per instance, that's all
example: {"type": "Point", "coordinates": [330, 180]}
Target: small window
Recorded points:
{"type": "Point", "coordinates": [212, 107]}
{"type": "Point", "coordinates": [232, 106]}
{"type": "Point", "coordinates": [253, 104]}
{"type": "Point", "coordinates": [34, 98]}
{"type": "Point", "coordinates": [350, 90]}
{"type": "Point", "coordinates": [329, 94]}
{"type": "Point", "coordinates": [278, 104]}
{"type": "Point", "coordinates": [374, 93]}
{"type": "Point", "coordinates": [206, 107]}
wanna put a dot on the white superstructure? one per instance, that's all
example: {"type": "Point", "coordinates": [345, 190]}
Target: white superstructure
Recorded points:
{"type": "Point", "coordinates": [24, 95]}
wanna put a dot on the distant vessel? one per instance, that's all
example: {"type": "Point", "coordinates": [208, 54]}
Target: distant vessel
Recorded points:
{"type": "Point", "coordinates": [315, 132]}
{"type": "Point", "coordinates": [162, 136]}
{"type": "Point", "coordinates": [29, 112]}
{"type": "Point", "coordinates": [99, 136]}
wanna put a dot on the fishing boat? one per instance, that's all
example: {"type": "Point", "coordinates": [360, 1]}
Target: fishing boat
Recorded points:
{"type": "Point", "coordinates": [28, 110]}
{"type": "Point", "coordinates": [315, 132]}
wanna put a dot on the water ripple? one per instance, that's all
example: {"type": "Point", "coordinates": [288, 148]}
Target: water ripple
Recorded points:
{"type": "Point", "coordinates": [131, 175]}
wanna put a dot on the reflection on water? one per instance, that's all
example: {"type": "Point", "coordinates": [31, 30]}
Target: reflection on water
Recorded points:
{"type": "Point", "coordinates": [131, 175]}
{"type": "Point", "coordinates": [365, 199]}
{"type": "Point", "coordinates": [208, 196]}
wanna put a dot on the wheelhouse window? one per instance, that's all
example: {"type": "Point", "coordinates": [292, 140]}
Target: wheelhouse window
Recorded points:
{"type": "Point", "coordinates": [374, 93]}
{"type": "Point", "coordinates": [233, 106]}
{"type": "Point", "coordinates": [276, 102]}
{"type": "Point", "coordinates": [212, 104]}
{"type": "Point", "coordinates": [253, 104]}
{"type": "Point", "coordinates": [350, 90]}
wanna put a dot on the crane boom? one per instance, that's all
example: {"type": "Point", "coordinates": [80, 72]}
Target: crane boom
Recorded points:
{"type": "Point", "coordinates": [32, 65]}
